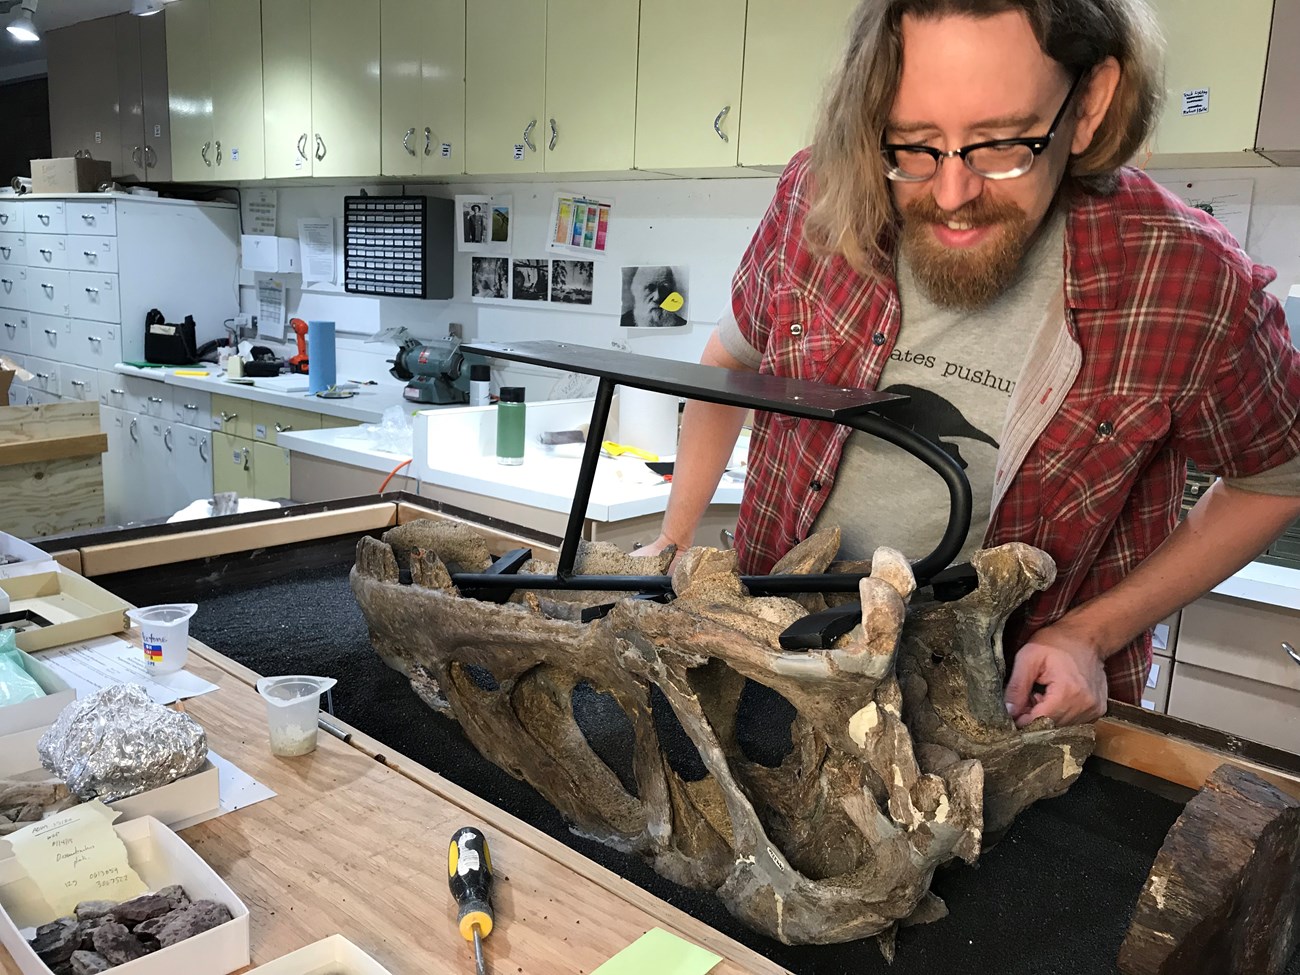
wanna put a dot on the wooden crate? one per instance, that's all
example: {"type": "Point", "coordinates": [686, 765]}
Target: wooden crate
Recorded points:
{"type": "Point", "coordinates": [51, 474]}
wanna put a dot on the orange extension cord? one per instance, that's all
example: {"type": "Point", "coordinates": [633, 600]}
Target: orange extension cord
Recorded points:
{"type": "Point", "coordinates": [393, 473]}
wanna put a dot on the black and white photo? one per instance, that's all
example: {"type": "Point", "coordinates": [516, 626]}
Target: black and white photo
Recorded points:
{"type": "Point", "coordinates": [654, 296]}
{"type": "Point", "coordinates": [530, 280]}
{"type": "Point", "coordinates": [483, 224]}
{"type": "Point", "coordinates": [490, 277]}
{"type": "Point", "coordinates": [571, 281]}
{"type": "Point", "coordinates": [474, 222]}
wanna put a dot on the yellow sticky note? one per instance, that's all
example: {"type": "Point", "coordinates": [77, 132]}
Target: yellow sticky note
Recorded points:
{"type": "Point", "coordinates": [673, 302]}
{"type": "Point", "coordinates": [77, 856]}
{"type": "Point", "coordinates": [659, 953]}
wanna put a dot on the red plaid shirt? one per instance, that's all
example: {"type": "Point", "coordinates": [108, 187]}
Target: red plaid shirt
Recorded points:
{"type": "Point", "coordinates": [1184, 356]}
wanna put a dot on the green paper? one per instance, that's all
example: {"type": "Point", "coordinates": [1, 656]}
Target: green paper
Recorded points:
{"type": "Point", "coordinates": [659, 953]}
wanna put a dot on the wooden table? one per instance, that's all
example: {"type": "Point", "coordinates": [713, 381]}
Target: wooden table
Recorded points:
{"type": "Point", "coordinates": [355, 843]}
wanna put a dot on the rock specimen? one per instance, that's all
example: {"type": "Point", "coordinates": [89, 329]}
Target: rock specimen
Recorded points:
{"type": "Point", "coordinates": [23, 803]}
{"type": "Point", "coordinates": [1222, 901]}
{"type": "Point", "coordinates": [103, 934]}
{"type": "Point", "coordinates": [900, 752]}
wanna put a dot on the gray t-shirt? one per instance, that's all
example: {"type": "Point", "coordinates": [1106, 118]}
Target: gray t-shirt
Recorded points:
{"type": "Point", "coordinates": [959, 367]}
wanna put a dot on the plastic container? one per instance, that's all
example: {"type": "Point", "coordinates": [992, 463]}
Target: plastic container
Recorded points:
{"type": "Point", "coordinates": [321, 373]}
{"type": "Point", "coordinates": [165, 629]}
{"type": "Point", "coordinates": [510, 426]}
{"type": "Point", "coordinates": [292, 709]}
{"type": "Point", "coordinates": [480, 385]}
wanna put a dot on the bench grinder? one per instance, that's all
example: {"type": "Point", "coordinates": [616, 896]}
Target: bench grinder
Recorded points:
{"type": "Point", "coordinates": [436, 371]}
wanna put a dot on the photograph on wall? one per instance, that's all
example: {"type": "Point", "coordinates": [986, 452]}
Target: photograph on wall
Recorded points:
{"type": "Point", "coordinates": [654, 296]}
{"type": "Point", "coordinates": [483, 224]}
{"type": "Point", "coordinates": [490, 277]}
{"type": "Point", "coordinates": [530, 280]}
{"type": "Point", "coordinates": [572, 281]}
{"type": "Point", "coordinates": [580, 225]}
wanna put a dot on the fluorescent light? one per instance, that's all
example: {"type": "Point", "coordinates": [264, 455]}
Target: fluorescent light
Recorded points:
{"type": "Point", "coordinates": [146, 8]}
{"type": "Point", "coordinates": [21, 27]}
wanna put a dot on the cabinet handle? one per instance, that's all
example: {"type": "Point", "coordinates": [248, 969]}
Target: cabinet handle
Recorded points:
{"type": "Point", "coordinates": [131, 430]}
{"type": "Point", "coordinates": [528, 135]}
{"type": "Point", "coordinates": [227, 417]}
{"type": "Point", "coordinates": [92, 291]}
{"type": "Point", "coordinates": [76, 382]}
{"type": "Point", "coordinates": [320, 148]}
{"type": "Point", "coordinates": [555, 134]}
{"type": "Point", "coordinates": [150, 151]}
{"type": "Point", "coordinates": [167, 439]}
{"type": "Point", "coordinates": [50, 331]}
{"type": "Point", "coordinates": [43, 218]}
{"type": "Point", "coordinates": [136, 156]}
{"type": "Point", "coordinates": [1291, 652]}
{"type": "Point", "coordinates": [204, 153]}
{"type": "Point", "coordinates": [406, 140]}
{"type": "Point", "coordinates": [90, 255]}
{"type": "Point", "coordinates": [93, 338]}
{"type": "Point", "coordinates": [118, 392]}
{"type": "Point", "coordinates": [155, 399]}
{"type": "Point", "coordinates": [44, 375]}
{"type": "Point", "coordinates": [12, 328]}
{"type": "Point", "coordinates": [428, 141]}
{"type": "Point", "coordinates": [48, 287]}
{"type": "Point", "coordinates": [47, 252]}
{"type": "Point", "coordinates": [283, 429]}
{"type": "Point", "coordinates": [4, 218]}
{"type": "Point", "coordinates": [190, 406]}
{"type": "Point", "coordinates": [88, 217]}
{"type": "Point", "coordinates": [717, 123]}
{"type": "Point", "coordinates": [8, 283]}
{"type": "Point", "coordinates": [247, 457]}
{"type": "Point", "coordinates": [217, 145]}
{"type": "Point", "coordinates": [302, 145]}
{"type": "Point", "coordinates": [203, 449]}
{"type": "Point", "coordinates": [6, 251]}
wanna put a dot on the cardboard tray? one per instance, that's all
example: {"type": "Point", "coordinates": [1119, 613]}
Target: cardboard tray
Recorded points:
{"type": "Point", "coordinates": [43, 710]}
{"type": "Point", "coordinates": [15, 548]}
{"type": "Point", "coordinates": [76, 608]}
{"type": "Point", "coordinates": [175, 802]}
{"type": "Point", "coordinates": [161, 858]}
{"type": "Point", "coordinates": [335, 955]}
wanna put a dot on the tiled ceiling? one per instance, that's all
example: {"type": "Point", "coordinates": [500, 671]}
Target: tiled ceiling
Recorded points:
{"type": "Point", "coordinates": [25, 60]}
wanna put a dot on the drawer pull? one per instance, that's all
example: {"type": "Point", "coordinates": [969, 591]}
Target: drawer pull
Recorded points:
{"type": "Point", "coordinates": [88, 217]}
{"type": "Point", "coordinates": [12, 328]}
{"type": "Point", "coordinates": [90, 255]}
{"type": "Point", "coordinates": [1291, 652]}
{"type": "Point", "coordinates": [44, 375]}
{"type": "Point", "coordinates": [118, 392]}
{"type": "Point", "coordinates": [48, 287]}
{"type": "Point", "coordinates": [50, 331]}
{"type": "Point", "coordinates": [93, 338]}
{"type": "Point", "coordinates": [191, 406]}
{"type": "Point", "coordinates": [76, 382]}
{"type": "Point", "coordinates": [6, 251]}
{"type": "Point", "coordinates": [283, 429]}
{"type": "Point", "coordinates": [92, 291]}
{"type": "Point", "coordinates": [155, 399]}
{"type": "Point", "coordinates": [43, 218]}
{"type": "Point", "coordinates": [7, 282]}
{"type": "Point", "coordinates": [227, 417]}
{"type": "Point", "coordinates": [47, 252]}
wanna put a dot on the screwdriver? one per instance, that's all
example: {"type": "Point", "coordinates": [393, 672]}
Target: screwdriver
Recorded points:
{"type": "Point", "coordinates": [469, 870]}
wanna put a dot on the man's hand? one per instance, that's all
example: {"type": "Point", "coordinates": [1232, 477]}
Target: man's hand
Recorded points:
{"type": "Point", "coordinates": [1072, 670]}
{"type": "Point", "coordinates": [657, 546]}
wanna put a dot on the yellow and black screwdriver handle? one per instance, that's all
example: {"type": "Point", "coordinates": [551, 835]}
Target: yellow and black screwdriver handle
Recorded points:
{"type": "Point", "coordinates": [469, 870]}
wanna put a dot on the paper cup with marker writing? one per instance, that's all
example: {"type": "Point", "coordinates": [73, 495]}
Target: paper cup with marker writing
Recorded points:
{"type": "Point", "coordinates": [292, 709]}
{"type": "Point", "coordinates": [166, 635]}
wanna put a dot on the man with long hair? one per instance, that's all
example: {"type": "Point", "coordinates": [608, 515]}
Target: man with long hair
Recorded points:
{"type": "Point", "coordinates": [964, 230]}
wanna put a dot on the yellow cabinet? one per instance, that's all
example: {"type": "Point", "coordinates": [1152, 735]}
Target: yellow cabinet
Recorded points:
{"type": "Point", "coordinates": [286, 81]}
{"type": "Point", "coordinates": [782, 93]}
{"type": "Point", "coordinates": [189, 90]}
{"type": "Point", "coordinates": [505, 81]}
{"type": "Point", "coordinates": [270, 420]}
{"type": "Point", "coordinates": [214, 90]}
{"type": "Point", "coordinates": [688, 88]}
{"type": "Point", "coordinates": [422, 85]}
{"type": "Point", "coordinates": [591, 66]}
{"type": "Point", "coordinates": [1214, 80]}
{"type": "Point", "coordinates": [270, 471]}
{"type": "Point", "coordinates": [345, 87]}
{"type": "Point", "coordinates": [232, 465]}
{"type": "Point", "coordinates": [233, 416]}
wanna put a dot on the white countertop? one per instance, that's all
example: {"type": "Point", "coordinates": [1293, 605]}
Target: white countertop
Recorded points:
{"type": "Point", "coordinates": [367, 405]}
{"type": "Point", "coordinates": [1260, 582]}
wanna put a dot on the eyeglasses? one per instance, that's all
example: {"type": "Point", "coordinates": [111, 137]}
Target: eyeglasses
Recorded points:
{"type": "Point", "coordinates": [998, 159]}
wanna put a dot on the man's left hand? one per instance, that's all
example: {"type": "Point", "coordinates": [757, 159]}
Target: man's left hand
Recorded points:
{"type": "Point", "coordinates": [1071, 669]}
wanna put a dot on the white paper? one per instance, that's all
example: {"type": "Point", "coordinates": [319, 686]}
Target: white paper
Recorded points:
{"type": "Point", "coordinates": [270, 308]}
{"type": "Point", "coordinates": [316, 240]}
{"type": "Point", "coordinates": [237, 788]}
{"type": "Point", "coordinates": [95, 664]}
{"type": "Point", "coordinates": [258, 208]}
{"type": "Point", "coordinates": [1226, 200]}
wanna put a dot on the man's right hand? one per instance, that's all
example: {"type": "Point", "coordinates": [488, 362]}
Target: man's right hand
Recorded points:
{"type": "Point", "coordinates": [657, 546]}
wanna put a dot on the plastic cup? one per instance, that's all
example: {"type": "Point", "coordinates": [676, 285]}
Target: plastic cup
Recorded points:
{"type": "Point", "coordinates": [166, 632]}
{"type": "Point", "coordinates": [292, 707]}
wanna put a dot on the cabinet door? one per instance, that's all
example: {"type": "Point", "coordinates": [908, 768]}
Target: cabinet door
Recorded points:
{"type": "Point", "coordinates": [113, 423]}
{"type": "Point", "coordinates": [688, 87]}
{"type": "Point", "coordinates": [591, 67]}
{"type": "Point", "coordinates": [130, 97]}
{"type": "Point", "coordinates": [505, 80]}
{"type": "Point", "coordinates": [1214, 74]}
{"type": "Point", "coordinates": [232, 465]}
{"type": "Point", "coordinates": [157, 148]}
{"type": "Point", "coordinates": [286, 79]}
{"type": "Point", "coordinates": [83, 90]}
{"type": "Point", "coordinates": [238, 138]}
{"type": "Point", "coordinates": [193, 451]}
{"type": "Point", "coordinates": [15, 333]}
{"type": "Point", "coordinates": [345, 87]}
{"type": "Point", "coordinates": [422, 82]}
{"type": "Point", "coordinates": [189, 90]}
{"type": "Point", "coordinates": [782, 94]}
{"type": "Point", "coordinates": [271, 471]}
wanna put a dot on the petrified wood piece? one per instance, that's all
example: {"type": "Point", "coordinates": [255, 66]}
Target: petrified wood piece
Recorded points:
{"type": "Point", "coordinates": [1223, 894]}
{"type": "Point", "coordinates": [840, 840]}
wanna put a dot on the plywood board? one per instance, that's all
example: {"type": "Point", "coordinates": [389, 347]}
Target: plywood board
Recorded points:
{"type": "Point", "coordinates": [52, 497]}
{"type": "Point", "coordinates": [21, 424]}
{"type": "Point", "coordinates": [205, 543]}
{"type": "Point", "coordinates": [53, 448]}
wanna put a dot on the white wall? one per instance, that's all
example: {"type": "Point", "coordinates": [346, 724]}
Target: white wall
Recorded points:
{"type": "Point", "coordinates": [703, 224]}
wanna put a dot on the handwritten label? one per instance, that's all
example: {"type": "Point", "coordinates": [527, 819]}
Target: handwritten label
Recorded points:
{"type": "Point", "coordinates": [76, 856]}
{"type": "Point", "coordinates": [1196, 101]}
{"type": "Point", "coordinates": [446, 150]}
{"type": "Point", "coordinates": [519, 152]}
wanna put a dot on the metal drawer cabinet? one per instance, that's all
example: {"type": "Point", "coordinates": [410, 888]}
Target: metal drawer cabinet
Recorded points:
{"type": "Point", "coordinates": [13, 287]}
{"type": "Point", "coordinates": [44, 217]}
{"type": "Point", "coordinates": [96, 345]}
{"type": "Point", "coordinates": [47, 250]}
{"type": "Point", "coordinates": [11, 216]}
{"type": "Point", "coordinates": [78, 383]}
{"type": "Point", "coordinates": [94, 295]}
{"type": "Point", "coordinates": [98, 217]}
{"type": "Point", "coordinates": [51, 336]}
{"type": "Point", "coordinates": [1235, 636]}
{"type": "Point", "coordinates": [13, 249]}
{"type": "Point", "coordinates": [47, 291]}
{"type": "Point", "coordinates": [86, 253]}
{"type": "Point", "coordinates": [1238, 705]}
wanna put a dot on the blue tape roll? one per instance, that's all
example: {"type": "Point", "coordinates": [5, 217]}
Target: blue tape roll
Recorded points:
{"type": "Point", "coordinates": [321, 370]}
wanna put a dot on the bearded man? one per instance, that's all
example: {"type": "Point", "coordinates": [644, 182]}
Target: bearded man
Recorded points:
{"type": "Point", "coordinates": [964, 230]}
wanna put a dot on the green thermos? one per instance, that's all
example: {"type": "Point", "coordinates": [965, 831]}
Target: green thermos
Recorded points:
{"type": "Point", "coordinates": [510, 425]}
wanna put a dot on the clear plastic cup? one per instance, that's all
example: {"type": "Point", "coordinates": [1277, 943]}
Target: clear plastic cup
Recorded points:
{"type": "Point", "coordinates": [165, 629]}
{"type": "Point", "coordinates": [292, 708]}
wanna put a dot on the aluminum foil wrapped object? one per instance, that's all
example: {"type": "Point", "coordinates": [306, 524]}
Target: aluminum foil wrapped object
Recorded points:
{"type": "Point", "coordinates": [118, 743]}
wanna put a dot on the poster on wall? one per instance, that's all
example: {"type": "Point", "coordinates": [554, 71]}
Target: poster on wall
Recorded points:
{"type": "Point", "coordinates": [572, 281]}
{"type": "Point", "coordinates": [580, 225]}
{"type": "Point", "coordinates": [530, 280]}
{"type": "Point", "coordinates": [654, 296]}
{"type": "Point", "coordinates": [1226, 200]}
{"type": "Point", "coordinates": [490, 278]}
{"type": "Point", "coordinates": [483, 224]}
